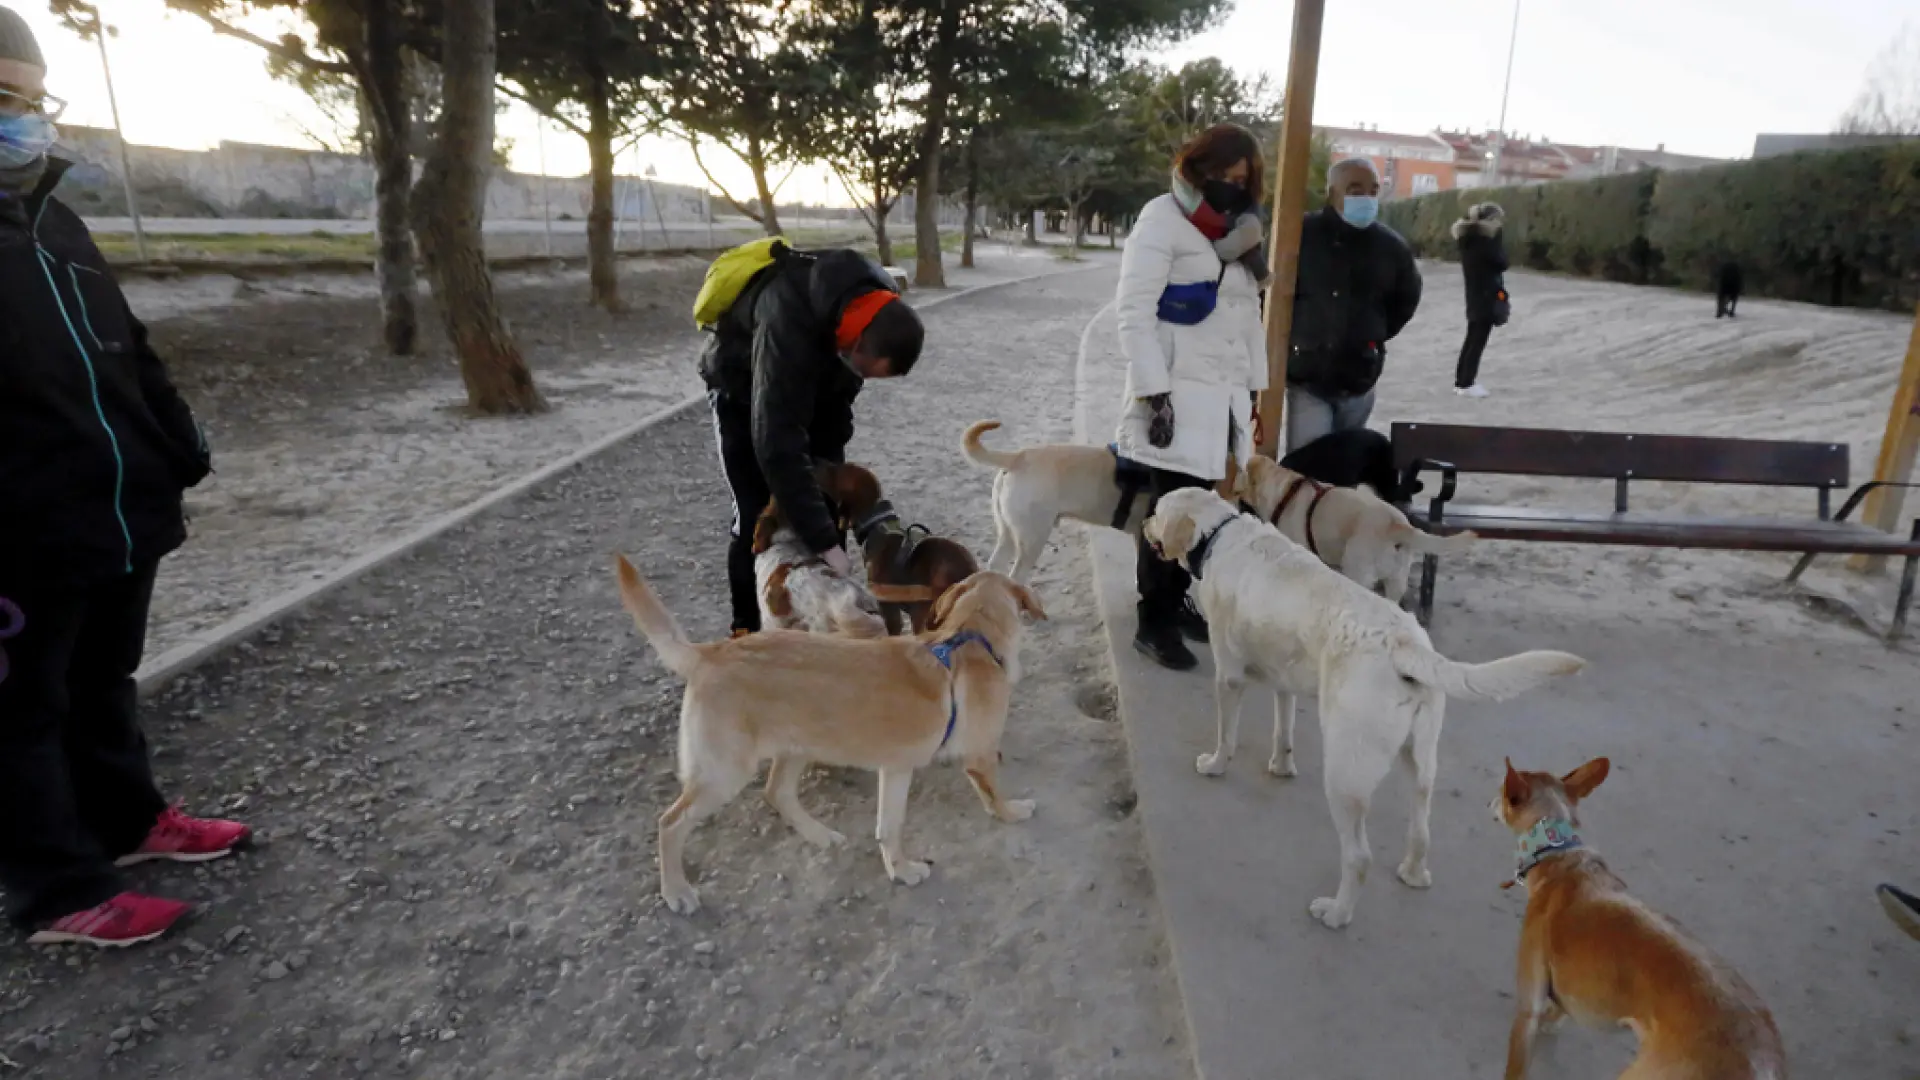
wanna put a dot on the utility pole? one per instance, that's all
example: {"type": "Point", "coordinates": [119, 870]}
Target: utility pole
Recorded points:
{"type": "Point", "coordinates": [1290, 204]}
{"type": "Point", "coordinates": [546, 205]}
{"type": "Point", "coordinates": [1500, 139]}
{"type": "Point", "coordinates": [126, 160]}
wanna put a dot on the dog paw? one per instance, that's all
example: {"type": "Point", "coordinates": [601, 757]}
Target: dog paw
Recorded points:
{"type": "Point", "coordinates": [1018, 810]}
{"type": "Point", "coordinates": [682, 899]}
{"type": "Point", "coordinates": [1211, 764]}
{"type": "Point", "coordinates": [1330, 913]}
{"type": "Point", "coordinates": [1415, 877]}
{"type": "Point", "coordinates": [1282, 767]}
{"type": "Point", "coordinates": [911, 873]}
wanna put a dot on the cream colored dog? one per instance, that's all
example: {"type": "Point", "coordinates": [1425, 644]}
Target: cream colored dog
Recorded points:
{"type": "Point", "coordinates": [1279, 615]}
{"type": "Point", "coordinates": [1038, 486]}
{"type": "Point", "coordinates": [1352, 530]}
{"type": "Point", "coordinates": [888, 704]}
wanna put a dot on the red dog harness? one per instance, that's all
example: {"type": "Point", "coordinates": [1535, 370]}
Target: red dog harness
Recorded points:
{"type": "Point", "coordinates": [1286, 499]}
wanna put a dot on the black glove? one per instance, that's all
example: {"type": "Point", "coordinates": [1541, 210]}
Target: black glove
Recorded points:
{"type": "Point", "coordinates": [1160, 427]}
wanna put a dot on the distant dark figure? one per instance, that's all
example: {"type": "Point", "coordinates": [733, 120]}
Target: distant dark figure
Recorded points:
{"type": "Point", "coordinates": [1483, 266]}
{"type": "Point", "coordinates": [1727, 295]}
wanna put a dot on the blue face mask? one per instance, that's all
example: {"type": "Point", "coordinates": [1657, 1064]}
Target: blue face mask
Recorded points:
{"type": "Point", "coordinates": [1360, 211]}
{"type": "Point", "coordinates": [25, 139]}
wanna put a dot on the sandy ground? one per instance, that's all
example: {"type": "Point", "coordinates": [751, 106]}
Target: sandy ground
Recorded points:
{"type": "Point", "coordinates": [324, 446]}
{"type": "Point", "coordinates": [457, 762]}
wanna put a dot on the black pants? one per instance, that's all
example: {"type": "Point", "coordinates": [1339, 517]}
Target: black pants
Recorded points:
{"type": "Point", "coordinates": [76, 784]}
{"type": "Point", "coordinates": [1162, 582]}
{"type": "Point", "coordinates": [1724, 303]}
{"type": "Point", "coordinates": [733, 427]}
{"type": "Point", "coordinates": [1467, 371]}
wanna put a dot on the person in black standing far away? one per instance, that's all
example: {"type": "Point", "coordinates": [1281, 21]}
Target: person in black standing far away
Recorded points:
{"type": "Point", "coordinates": [96, 447]}
{"type": "Point", "coordinates": [782, 369]}
{"type": "Point", "coordinates": [1483, 263]}
{"type": "Point", "coordinates": [1727, 289]}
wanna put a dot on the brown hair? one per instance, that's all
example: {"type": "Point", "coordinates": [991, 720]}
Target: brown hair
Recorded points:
{"type": "Point", "coordinates": [1218, 149]}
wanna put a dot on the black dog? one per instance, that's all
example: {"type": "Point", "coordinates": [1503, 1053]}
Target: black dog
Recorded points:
{"type": "Point", "coordinates": [1727, 295]}
{"type": "Point", "coordinates": [1351, 458]}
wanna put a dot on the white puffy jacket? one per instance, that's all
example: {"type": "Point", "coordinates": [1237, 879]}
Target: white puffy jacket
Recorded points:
{"type": "Point", "coordinates": [1209, 367]}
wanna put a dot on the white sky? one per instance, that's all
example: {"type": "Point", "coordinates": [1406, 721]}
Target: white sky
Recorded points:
{"type": "Point", "coordinates": [1701, 76]}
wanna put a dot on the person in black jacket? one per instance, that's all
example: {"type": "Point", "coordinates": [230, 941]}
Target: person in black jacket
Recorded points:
{"type": "Point", "coordinates": [1483, 263]}
{"type": "Point", "coordinates": [1728, 285]}
{"type": "Point", "coordinates": [1357, 287]}
{"type": "Point", "coordinates": [782, 369]}
{"type": "Point", "coordinates": [96, 447]}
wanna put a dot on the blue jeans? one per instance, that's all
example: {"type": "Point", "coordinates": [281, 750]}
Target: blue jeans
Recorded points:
{"type": "Point", "coordinates": [1310, 416]}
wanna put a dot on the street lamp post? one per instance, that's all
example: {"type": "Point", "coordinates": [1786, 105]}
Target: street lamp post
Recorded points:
{"type": "Point", "coordinates": [1500, 139]}
{"type": "Point", "coordinates": [126, 160]}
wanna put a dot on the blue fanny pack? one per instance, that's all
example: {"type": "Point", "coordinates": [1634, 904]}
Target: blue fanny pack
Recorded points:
{"type": "Point", "coordinates": [1190, 304]}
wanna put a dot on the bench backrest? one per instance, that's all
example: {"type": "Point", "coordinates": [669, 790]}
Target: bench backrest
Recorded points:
{"type": "Point", "coordinates": [1617, 456]}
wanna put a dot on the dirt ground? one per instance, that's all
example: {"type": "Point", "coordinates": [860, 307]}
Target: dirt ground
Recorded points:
{"type": "Point", "coordinates": [457, 761]}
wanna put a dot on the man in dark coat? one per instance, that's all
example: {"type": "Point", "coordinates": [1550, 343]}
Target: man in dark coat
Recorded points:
{"type": "Point", "coordinates": [1483, 263]}
{"type": "Point", "coordinates": [782, 369]}
{"type": "Point", "coordinates": [96, 447]}
{"type": "Point", "coordinates": [1357, 287]}
{"type": "Point", "coordinates": [1727, 288]}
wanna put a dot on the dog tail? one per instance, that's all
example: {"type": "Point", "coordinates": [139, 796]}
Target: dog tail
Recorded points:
{"type": "Point", "coordinates": [978, 452]}
{"type": "Point", "coordinates": [662, 630]}
{"type": "Point", "coordinates": [1426, 543]}
{"type": "Point", "coordinates": [1497, 681]}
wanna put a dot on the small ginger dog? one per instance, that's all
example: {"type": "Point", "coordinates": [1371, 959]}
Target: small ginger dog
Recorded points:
{"type": "Point", "coordinates": [891, 704]}
{"type": "Point", "coordinates": [1591, 951]}
{"type": "Point", "coordinates": [908, 569]}
{"type": "Point", "coordinates": [1351, 530]}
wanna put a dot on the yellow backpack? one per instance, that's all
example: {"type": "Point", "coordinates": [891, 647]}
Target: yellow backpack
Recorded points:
{"type": "Point", "coordinates": [730, 275]}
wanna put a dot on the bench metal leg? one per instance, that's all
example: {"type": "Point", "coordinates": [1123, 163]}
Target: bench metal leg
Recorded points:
{"type": "Point", "coordinates": [1905, 599]}
{"type": "Point", "coordinates": [1800, 567]}
{"type": "Point", "coordinates": [1430, 569]}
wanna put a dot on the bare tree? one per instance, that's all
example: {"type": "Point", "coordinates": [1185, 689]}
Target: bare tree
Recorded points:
{"type": "Point", "coordinates": [1889, 103]}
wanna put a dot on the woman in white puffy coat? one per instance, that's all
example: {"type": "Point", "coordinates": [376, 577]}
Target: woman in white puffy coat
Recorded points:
{"type": "Point", "coordinates": [1192, 373]}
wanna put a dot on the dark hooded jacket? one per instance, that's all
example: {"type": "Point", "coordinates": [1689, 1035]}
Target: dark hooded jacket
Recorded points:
{"type": "Point", "coordinates": [1356, 289]}
{"type": "Point", "coordinates": [96, 445]}
{"type": "Point", "coordinates": [775, 349]}
{"type": "Point", "coordinates": [1483, 265]}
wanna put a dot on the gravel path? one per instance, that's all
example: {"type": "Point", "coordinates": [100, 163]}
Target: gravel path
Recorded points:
{"type": "Point", "coordinates": [457, 761]}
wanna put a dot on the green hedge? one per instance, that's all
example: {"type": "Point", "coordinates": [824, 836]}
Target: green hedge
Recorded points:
{"type": "Point", "coordinates": [1830, 227]}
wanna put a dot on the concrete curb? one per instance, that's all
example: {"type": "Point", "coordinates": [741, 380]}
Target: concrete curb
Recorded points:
{"type": "Point", "coordinates": [200, 648]}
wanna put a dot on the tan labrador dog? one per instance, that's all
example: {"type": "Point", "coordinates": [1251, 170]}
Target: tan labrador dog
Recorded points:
{"type": "Point", "coordinates": [888, 704]}
{"type": "Point", "coordinates": [1353, 531]}
{"type": "Point", "coordinates": [1038, 486]}
{"type": "Point", "coordinates": [1591, 950]}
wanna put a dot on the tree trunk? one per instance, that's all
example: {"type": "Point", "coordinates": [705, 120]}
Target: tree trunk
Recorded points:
{"type": "Point", "coordinates": [602, 273]}
{"type": "Point", "coordinates": [973, 205]}
{"type": "Point", "coordinates": [927, 272]}
{"type": "Point", "coordinates": [1078, 228]}
{"type": "Point", "coordinates": [448, 206]}
{"type": "Point", "coordinates": [757, 161]}
{"type": "Point", "coordinates": [1028, 227]}
{"type": "Point", "coordinates": [382, 77]}
{"type": "Point", "coordinates": [880, 238]}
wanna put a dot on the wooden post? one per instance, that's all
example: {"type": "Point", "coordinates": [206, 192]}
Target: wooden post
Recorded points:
{"type": "Point", "coordinates": [1289, 208]}
{"type": "Point", "coordinates": [1897, 449]}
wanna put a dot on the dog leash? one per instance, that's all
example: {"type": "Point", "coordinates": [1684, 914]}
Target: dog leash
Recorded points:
{"type": "Point", "coordinates": [1286, 498]}
{"type": "Point", "coordinates": [943, 651]}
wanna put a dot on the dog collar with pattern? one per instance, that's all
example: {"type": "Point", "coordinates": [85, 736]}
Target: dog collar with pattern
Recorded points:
{"type": "Point", "coordinates": [943, 651]}
{"type": "Point", "coordinates": [1549, 836]}
{"type": "Point", "coordinates": [882, 513]}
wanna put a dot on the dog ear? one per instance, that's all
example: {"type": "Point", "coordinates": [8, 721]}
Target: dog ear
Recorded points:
{"type": "Point", "coordinates": [1581, 781]}
{"type": "Point", "coordinates": [1029, 603]}
{"type": "Point", "coordinates": [765, 526]}
{"type": "Point", "coordinates": [1177, 538]}
{"type": "Point", "coordinates": [1517, 790]}
{"type": "Point", "coordinates": [943, 606]}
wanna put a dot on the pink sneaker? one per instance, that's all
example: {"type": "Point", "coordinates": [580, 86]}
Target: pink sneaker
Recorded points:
{"type": "Point", "coordinates": [179, 838]}
{"type": "Point", "coordinates": [127, 919]}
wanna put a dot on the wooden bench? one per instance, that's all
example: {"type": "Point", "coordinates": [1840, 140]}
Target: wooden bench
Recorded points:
{"type": "Point", "coordinates": [1451, 449]}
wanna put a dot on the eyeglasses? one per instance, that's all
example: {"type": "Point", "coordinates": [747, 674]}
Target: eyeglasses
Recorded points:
{"type": "Point", "coordinates": [47, 105]}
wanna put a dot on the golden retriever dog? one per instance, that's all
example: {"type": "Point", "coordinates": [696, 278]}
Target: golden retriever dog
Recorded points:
{"type": "Point", "coordinates": [1280, 615]}
{"type": "Point", "coordinates": [1590, 950]}
{"type": "Point", "coordinates": [1351, 530]}
{"type": "Point", "coordinates": [890, 704]}
{"type": "Point", "coordinates": [1038, 486]}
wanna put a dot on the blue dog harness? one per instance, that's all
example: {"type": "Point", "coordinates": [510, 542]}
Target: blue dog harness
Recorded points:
{"type": "Point", "coordinates": [943, 651]}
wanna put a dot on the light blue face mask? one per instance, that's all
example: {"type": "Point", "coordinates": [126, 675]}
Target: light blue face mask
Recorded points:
{"type": "Point", "coordinates": [1360, 211]}
{"type": "Point", "coordinates": [25, 139]}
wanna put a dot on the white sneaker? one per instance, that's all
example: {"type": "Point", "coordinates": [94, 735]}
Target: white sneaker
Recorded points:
{"type": "Point", "coordinates": [1476, 390]}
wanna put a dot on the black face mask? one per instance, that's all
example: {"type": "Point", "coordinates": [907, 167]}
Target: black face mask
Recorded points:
{"type": "Point", "coordinates": [1228, 198]}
